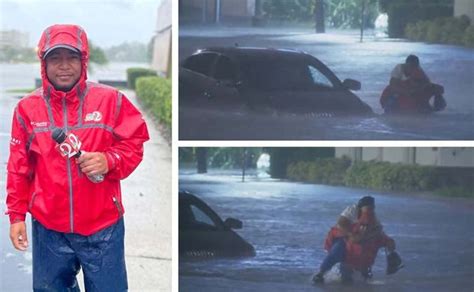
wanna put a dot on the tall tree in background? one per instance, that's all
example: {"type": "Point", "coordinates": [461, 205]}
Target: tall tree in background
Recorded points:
{"type": "Point", "coordinates": [220, 157]}
{"type": "Point", "coordinates": [201, 159]}
{"type": "Point", "coordinates": [281, 157]}
{"type": "Point", "coordinates": [319, 16]}
{"type": "Point", "coordinates": [334, 13]}
{"type": "Point", "coordinates": [97, 54]}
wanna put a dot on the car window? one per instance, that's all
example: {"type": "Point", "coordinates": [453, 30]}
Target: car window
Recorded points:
{"type": "Point", "coordinates": [225, 69]}
{"type": "Point", "coordinates": [186, 218]}
{"type": "Point", "coordinates": [319, 78]}
{"type": "Point", "coordinates": [277, 75]}
{"type": "Point", "coordinates": [201, 63]}
{"type": "Point", "coordinates": [201, 218]}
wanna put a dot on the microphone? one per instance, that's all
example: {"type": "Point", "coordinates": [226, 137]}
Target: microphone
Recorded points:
{"type": "Point", "coordinates": [70, 146]}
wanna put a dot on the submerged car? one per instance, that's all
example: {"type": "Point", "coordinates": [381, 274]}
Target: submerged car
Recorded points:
{"type": "Point", "coordinates": [203, 234]}
{"type": "Point", "coordinates": [270, 79]}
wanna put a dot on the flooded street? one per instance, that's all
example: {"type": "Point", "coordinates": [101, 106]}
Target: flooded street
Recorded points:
{"type": "Point", "coordinates": [369, 62]}
{"type": "Point", "coordinates": [287, 223]}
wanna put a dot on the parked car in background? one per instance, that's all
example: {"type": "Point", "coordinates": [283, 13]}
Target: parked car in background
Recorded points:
{"type": "Point", "coordinates": [265, 79]}
{"type": "Point", "coordinates": [203, 234]}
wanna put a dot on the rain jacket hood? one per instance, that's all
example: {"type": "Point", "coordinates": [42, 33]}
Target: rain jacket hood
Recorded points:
{"type": "Point", "coordinates": [64, 34]}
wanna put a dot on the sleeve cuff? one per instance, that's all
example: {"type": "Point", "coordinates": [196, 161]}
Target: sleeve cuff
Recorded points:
{"type": "Point", "coordinates": [15, 217]}
{"type": "Point", "coordinates": [111, 163]}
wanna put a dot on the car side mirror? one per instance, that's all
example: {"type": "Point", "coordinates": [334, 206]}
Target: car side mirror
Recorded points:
{"type": "Point", "coordinates": [238, 83]}
{"type": "Point", "coordinates": [233, 223]}
{"type": "Point", "coordinates": [351, 84]}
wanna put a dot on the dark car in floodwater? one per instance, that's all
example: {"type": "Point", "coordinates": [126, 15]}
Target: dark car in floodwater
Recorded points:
{"type": "Point", "coordinates": [203, 234]}
{"type": "Point", "coordinates": [279, 80]}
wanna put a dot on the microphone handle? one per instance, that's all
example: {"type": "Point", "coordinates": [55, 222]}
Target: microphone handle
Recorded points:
{"type": "Point", "coordinates": [78, 154]}
{"type": "Point", "coordinates": [96, 178]}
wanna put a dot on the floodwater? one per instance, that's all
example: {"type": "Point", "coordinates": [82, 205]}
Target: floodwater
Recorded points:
{"type": "Point", "coordinates": [369, 62]}
{"type": "Point", "coordinates": [287, 223]}
{"type": "Point", "coordinates": [15, 266]}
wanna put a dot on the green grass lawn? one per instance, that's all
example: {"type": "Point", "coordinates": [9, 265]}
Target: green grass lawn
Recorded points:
{"type": "Point", "coordinates": [20, 90]}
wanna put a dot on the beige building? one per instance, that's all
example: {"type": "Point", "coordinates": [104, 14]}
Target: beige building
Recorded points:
{"type": "Point", "coordinates": [464, 7]}
{"type": "Point", "coordinates": [161, 61]}
{"type": "Point", "coordinates": [434, 156]}
{"type": "Point", "coordinates": [216, 11]}
{"type": "Point", "coordinates": [13, 38]}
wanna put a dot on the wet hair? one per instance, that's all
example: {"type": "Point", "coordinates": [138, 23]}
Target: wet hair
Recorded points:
{"type": "Point", "coordinates": [366, 201]}
{"type": "Point", "coordinates": [412, 60]}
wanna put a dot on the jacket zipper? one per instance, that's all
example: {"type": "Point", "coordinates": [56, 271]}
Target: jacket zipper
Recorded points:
{"type": "Point", "coordinates": [69, 174]}
{"type": "Point", "coordinates": [117, 205]}
{"type": "Point", "coordinates": [31, 201]}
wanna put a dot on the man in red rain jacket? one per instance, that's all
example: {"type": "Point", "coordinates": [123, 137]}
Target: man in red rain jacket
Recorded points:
{"type": "Point", "coordinates": [354, 242]}
{"type": "Point", "coordinates": [410, 90]}
{"type": "Point", "coordinates": [76, 220]}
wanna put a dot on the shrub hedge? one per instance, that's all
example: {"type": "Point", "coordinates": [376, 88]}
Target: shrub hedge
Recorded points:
{"type": "Point", "coordinates": [322, 170]}
{"type": "Point", "coordinates": [384, 176]}
{"type": "Point", "coordinates": [390, 176]}
{"type": "Point", "coordinates": [469, 36]}
{"type": "Point", "coordinates": [155, 92]}
{"type": "Point", "coordinates": [134, 73]}
{"type": "Point", "coordinates": [445, 30]}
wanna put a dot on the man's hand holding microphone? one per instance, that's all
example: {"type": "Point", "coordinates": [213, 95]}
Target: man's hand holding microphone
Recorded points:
{"type": "Point", "coordinates": [93, 164]}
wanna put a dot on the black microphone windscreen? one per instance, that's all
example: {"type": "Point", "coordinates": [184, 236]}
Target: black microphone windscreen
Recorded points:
{"type": "Point", "coordinates": [58, 135]}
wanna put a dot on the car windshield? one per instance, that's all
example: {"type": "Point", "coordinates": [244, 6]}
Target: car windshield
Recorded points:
{"type": "Point", "coordinates": [283, 75]}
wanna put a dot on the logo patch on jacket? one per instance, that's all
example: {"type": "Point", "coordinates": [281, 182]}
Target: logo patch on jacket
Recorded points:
{"type": "Point", "coordinates": [14, 141]}
{"type": "Point", "coordinates": [39, 124]}
{"type": "Point", "coordinates": [93, 116]}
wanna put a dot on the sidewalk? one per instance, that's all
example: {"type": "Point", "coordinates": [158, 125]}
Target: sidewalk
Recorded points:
{"type": "Point", "coordinates": [147, 201]}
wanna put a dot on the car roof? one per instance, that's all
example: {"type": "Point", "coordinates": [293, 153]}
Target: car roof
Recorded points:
{"type": "Point", "coordinates": [256, 52]}
{"type": "Point", "coordinates": [185, 195]}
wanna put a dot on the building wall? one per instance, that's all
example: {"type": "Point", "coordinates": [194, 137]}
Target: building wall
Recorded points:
{"type": "Point", "coordinates": [464, 7]}
{"type": "Point", "coordinates": [463, 156]}
{"type": "Point", "coordinates": [434, 156]}
{"type": "Point", "coordinates": [238, 8]}
{"type": "Point", "coordinates": [346, 151]}
{"type": "Point", "coordinates": [161, 60]}
{"type": "Point", "coordinates": [13, 38]}
{"type": "Point", "coordinates": [429, 156]}
{"type": "Point", "coordinates": [371, 153]}
{"type": "Point", "coordinates": [230, 10]}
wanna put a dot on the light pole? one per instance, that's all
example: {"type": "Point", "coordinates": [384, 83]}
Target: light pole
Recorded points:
{"type": "Point", "coordinates": [218, 11]}
{"type": "Point", "coordinates": [362, 18]}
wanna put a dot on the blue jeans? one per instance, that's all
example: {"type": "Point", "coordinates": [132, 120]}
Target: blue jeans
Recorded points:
{"type": "Point", "coordinates": [335, 255]}
{"type": "Point", "coordinates": [58, 257]}
{"type": "Point", "coordinates": [392, 104]}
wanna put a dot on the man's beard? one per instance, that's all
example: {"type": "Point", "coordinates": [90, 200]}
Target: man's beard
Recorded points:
{"type": "Point", "coordinates": [63, 88]}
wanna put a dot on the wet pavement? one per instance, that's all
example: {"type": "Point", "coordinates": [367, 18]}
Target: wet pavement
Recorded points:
{"type": "Point", "coordinates": [147, 200]}
{"type": "Point", "coordinates": [369, 62]}
{"type": "Point", "coordinates": [287, 223]}
{"type": "Point", "coordinates": [15, 267]}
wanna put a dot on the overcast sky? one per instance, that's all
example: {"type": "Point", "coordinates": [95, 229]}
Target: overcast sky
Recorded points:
{"type": "Point", "coordinates": [107, 22]}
